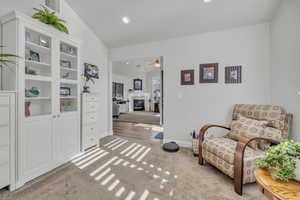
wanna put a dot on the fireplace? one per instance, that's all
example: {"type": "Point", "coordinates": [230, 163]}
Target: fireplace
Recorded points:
{"type": "Point", "coordinates": [139, 105]}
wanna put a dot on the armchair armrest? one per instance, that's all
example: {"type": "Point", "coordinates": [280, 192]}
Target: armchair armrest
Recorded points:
{"type": "Point", "coordinates": [239, 160]}
{"type": "Point", "coordinates": [202, 135]}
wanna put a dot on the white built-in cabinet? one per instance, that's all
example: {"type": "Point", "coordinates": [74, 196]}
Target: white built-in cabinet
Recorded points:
{"type": "Point", "coordinates": [7, 139]}
{"type": "Point", "coordinates": [49, 123]}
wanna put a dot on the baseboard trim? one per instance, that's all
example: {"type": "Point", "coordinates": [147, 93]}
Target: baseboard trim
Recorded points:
{"type": "Point", "coordinates": [181, 143]}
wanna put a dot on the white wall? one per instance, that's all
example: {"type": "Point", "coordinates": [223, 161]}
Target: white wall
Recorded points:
{"type": "Point", "coordinates": [190, 107]}
{"type": "Point", "coordinates": [92, 50]}
{"type": "Point", "coordinates": [285, 60]}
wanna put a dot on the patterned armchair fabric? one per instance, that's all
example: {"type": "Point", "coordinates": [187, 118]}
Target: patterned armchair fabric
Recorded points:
{"type": "Point", "coordinates": [220, 151]}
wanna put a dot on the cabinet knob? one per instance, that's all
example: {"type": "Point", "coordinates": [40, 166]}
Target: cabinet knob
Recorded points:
{"type": "Point", "coordinates": [54, 116]}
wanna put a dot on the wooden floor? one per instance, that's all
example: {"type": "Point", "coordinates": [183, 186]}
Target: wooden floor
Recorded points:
{"type": "Point", "coordinates": [135, 130]}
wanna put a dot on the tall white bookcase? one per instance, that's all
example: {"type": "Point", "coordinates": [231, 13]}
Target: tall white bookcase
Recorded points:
{"type": "Point", "coordinates": [48, 121]}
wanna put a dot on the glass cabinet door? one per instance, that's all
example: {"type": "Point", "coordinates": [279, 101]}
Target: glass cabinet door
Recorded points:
{"type": "Point", "coordinates": [38, 74]}
{"type": "Point", "coordinates": [68, 78]}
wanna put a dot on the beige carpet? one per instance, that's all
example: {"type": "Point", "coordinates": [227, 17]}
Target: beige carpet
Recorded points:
{"type": "Point", "coordinates": [140, 117]}
{"type": "Point", "coordinates": [133, 170]}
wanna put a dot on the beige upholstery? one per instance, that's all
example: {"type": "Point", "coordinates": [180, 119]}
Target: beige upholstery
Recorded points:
{"type": "Point", "coordinates": [220, 151]}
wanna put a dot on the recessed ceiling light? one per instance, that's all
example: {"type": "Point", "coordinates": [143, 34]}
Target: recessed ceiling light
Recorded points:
{"type": "Point", "coordinates": [207, 1]}
{"type": "Point", "coordinates": [126, 20]}
{"type": "Point", "coordinates": [127, 63]}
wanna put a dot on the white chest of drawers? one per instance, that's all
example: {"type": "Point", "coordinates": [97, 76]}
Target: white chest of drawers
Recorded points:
{"type": "Point", "coordinates": [7, 140]}
{"type": "Point", "coordinates": [89, 132]}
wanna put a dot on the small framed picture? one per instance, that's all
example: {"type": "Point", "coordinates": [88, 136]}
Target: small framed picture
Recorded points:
{"type": "Point", "coordinates": [65, 91]}
{"type": "Point", "coordinates": [187, 77]}
{"type": "Point", "coordinates": [34, 56]}
{"type": "Point", "coordinates": [209, 73]}
{"type": "Point", "coordinates": [44, 42]}
{"type": "Point", "coordinates": [65, 64]}
{"type": "Point", "coordinates": [91, 71]}
{"type": "Point", "coordinates": [233, 74]}
{"type": "Point", "coordinates": [138, 84]}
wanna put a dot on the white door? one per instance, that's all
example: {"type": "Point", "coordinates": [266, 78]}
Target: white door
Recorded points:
{"type": "Point", "coordinates": [37, 155]}
{"type": "Point", "coordinates": [66, 137]}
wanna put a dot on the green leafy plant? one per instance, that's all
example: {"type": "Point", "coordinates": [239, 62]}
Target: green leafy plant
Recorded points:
{"type": "Point", "coordinates": [281, 160]}
{"type": "Point", "coordinates": [47, 17]}
{"type": "Point", "coordinates": [5, 58]}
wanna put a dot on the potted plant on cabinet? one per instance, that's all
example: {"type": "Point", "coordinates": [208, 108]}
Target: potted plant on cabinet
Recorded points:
{"type": "Point", "coordinates": [283, 161]}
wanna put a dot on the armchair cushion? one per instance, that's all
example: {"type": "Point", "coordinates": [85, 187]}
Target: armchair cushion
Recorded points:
{"type": "Point", "coordinates": [220, 151]}
{"type": "Point", "coordinates": [275, 115]}
{"type": "Point", "coordinates": [245, 127]}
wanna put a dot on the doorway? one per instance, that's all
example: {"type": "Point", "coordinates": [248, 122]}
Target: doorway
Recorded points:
{"type": "Point", "coordinates": [137, 98]}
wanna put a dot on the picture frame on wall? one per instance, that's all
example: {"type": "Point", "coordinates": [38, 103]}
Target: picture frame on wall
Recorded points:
{"type": "Point", "coordinates": [187, 77]}
{"type": "Point", "coordinates": [233, 74]}
{"type": "Point", "coordinates": [91, 71]}
{"type": "Point", "coordinates": [209, 73]}
{"type": "Point", "coordinates": [138, 84]}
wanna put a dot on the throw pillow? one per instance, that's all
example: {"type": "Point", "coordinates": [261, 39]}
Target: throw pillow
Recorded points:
{"type": "Point", "coordinates": [244, 127]}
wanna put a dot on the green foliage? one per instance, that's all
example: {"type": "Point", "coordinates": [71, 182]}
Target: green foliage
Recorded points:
{"type": "Point", "coordinates": [281, 160]}
{"type": "Point", "coordinates": [88, 79]}
{"type": "Point", "coordinates": [47, 17]}
{"type": "Point", "coordinates": [4, 58]}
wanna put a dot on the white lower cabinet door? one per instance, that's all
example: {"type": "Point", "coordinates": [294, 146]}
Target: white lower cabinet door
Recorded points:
{"type": "Point", "coordinates": [37, 154]}
{"type": "Point", "coordinates": [66, 137]}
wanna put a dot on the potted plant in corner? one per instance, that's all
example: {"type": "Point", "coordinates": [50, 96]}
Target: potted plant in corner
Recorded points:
{"type": "Point", "coordinates": [283, 161]}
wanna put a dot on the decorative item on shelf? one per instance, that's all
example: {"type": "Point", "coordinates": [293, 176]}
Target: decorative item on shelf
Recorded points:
{"type": "Point", "coordinates": [30, 71]}
{"type": "Point", "coordinates": [44, 41]}
{"type": "Point", "coordinates": [65, 91]}
{"type": "Point", "coordinates": [65, 64]}
{"type": "Point", "coordinates": [27, 109]}
{"type": "Point", "coordinates": [282, 161]}
{"type": "Point", "coordinates": [49, 18]}
{"type": "Point", "coordinates": [65, 48]}
{"type": "Point", "coordinates": [66, 105]}
{"type": "Point", "coordinates": [233, 74]}
{"type": "Point", "coordinates": [4, 58]}
{"type": "Point", "coordinates": [91, 72]}
{"type": "Point", "coordinates": [34, 56]}
{"type": "Point", "coordinates": [33, 92]}
{"type": "Point", "coordinates": [187, 77]}
{"type": "Point", "coordinates": [138, 84]}
{"type": "Point", "coordinates": [209, 73]}
{"type": "Point", "coordinates": [65, 75]}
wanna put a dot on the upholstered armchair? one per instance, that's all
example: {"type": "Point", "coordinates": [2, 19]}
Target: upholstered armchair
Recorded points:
{"type": "Point", "coordinates": [252, 130]}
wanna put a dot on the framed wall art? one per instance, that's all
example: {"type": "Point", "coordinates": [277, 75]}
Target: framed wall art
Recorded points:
{"type": "Point", "coordinates": [233, 74]}
{"type": "Point", "coordinates": [209, 73]}
{"type": "Point", "coordinates": [138, 84]}
{"type": "Point", "coordinates": [187, 77]}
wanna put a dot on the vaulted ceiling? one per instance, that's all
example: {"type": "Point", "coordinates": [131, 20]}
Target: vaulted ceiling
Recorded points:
{"type": "Point", "coordinates": [154, 20]}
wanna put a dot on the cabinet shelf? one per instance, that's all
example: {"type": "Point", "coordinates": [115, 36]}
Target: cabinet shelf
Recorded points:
{"type": "Point", "coordinates": [38, 78]}
{"type": "Point", "coordinates": [68, 97]}
{"type": "Point", "coordinates": [37, 47]}
{"type": "Point", "coordinates": [35, 63]}
{"type": "Point", "coordinates": [68, 69]}
{"type": "Point", "coordinates": [37, 98]}
{"type": "Point", "coordinates": [67, 81]}
{"type": "Point", "coordinates": [68, 55]}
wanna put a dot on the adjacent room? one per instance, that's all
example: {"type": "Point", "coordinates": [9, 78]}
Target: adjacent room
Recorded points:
{"type": "Point", "coordinates": [137, 97]}
{"type": "Point", "coordinates": [150, 100]}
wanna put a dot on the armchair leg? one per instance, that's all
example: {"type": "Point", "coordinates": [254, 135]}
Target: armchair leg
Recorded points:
{"type": "Point", "coordinates": [239, 169]}
{"type": "Point", "coordinates": [201, 160]}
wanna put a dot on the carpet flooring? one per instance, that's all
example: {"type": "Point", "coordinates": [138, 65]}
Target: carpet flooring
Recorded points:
{"type": "Point", "coordinates": [140, 117]}
{"type": "Point", "coordinates": [131, 169]}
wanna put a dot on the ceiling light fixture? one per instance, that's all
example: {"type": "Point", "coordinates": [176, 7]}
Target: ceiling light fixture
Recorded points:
{"type": "Point", "coordinates": [157, 63]}
{"type": "Point", "coordinates": [126, 20]}
{"type": "Point", "coordinates": [207, 1]}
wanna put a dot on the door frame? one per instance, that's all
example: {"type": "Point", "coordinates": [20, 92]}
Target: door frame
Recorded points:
{"type": "Point", "coordinates": [109, 95]}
